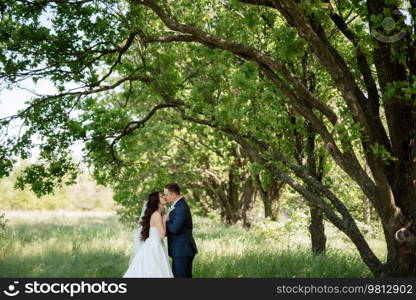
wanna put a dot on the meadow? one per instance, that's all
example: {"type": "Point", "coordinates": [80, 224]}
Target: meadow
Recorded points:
{"type": "Point", "coordinates": [96, 244]}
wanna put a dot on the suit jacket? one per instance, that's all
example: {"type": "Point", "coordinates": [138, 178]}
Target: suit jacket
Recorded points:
{"type": "Point", "coordinates": [179, 231]}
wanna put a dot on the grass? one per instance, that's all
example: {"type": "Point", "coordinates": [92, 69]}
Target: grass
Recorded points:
{"type": "Point", "coordinates": [69, 244]}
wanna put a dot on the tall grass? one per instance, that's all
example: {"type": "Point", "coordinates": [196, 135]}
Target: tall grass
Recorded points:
{"type": "Point", "coordinates": [68, 244]}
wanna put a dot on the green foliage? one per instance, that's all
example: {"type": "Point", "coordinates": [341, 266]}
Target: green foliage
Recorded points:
{"type": "Point", "coordinates": [6, 164]}
{"type": "Point", "coordinates": [30, 40]}
{"type": "Point", "coordinates": [380, 153]}
{"type": "Point", "coordinates": [44, 180]}
{"type": "Point", "coordinates": [291, 46]}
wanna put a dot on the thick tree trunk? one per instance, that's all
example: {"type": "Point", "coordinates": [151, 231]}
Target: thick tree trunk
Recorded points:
{"type": "Point", "coordinates": [401, 257]}
{"type": "Point", "coordinates": [276, 200]}
{"type": "Point", "coordinates": [267, 203]}
{"type": "Point", "coordinates": [317, 231]}
{"type": "Point", "coordinates": [317, 227]}
{"type": "Point", "coordinates": [400, 112]}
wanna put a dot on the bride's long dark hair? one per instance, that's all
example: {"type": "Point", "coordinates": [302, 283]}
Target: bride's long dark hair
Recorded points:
{"type": "Point", "coordinates": [152, 205]}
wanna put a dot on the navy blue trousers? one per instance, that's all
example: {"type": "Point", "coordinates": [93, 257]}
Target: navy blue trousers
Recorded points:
{"type": "Point", "coordinates": [182, 266]}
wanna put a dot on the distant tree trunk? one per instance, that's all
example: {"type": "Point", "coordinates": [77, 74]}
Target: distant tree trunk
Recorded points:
{"type": "Point", "coordinates": [248, 197]}
{"type": "Point", "coordinates": [229, 196]}
{"type": "Point", "coordinates": [270, 197]}
{"type": "Point", "coordinates": [200, 196]}
{"type": "Point", "coordinates": [219, 191]}
{"type": "Point", "coordinates": [366, 210]}
{"type": "Point", "coordinates": [3, 222]}
{"type": "Point", "coordinates": [234, 191]}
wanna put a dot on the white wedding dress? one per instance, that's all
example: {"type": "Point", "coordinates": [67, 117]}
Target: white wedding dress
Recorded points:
{"type": "Point", "coordinates": [151, 259]}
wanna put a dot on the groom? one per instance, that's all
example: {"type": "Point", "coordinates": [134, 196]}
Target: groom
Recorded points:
{"type": "Point", "coordinates": [181, 243]}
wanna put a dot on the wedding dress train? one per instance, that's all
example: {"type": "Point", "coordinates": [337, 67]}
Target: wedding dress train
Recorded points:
{"type": "Point", "coordinates": [151, 260]}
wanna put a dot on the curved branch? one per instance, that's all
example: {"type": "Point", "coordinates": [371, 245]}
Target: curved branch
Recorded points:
{"type": "Point", "coordinates": [133, 125]}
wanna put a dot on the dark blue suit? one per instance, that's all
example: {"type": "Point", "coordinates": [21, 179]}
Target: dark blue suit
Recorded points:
{"type": "Point", "coordinates": [181, 243]}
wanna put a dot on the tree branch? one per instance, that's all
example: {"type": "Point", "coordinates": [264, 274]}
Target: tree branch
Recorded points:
{"type": "Point", "coordinates": [362, 62]}
{"type": "Point", "coordinates": [80, 93]}
{"type": "Point", "coordinates": [123, 50]}
{"type": "Point", "coordinates": [133, 125]}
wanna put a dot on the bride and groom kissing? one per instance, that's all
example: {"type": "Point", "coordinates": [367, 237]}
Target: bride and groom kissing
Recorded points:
{"type": "Point", "coordinates": [150, 258]}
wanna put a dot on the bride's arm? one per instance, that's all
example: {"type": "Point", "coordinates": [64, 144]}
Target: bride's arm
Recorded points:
{"type": "Point", "coordinates": [161, 227]}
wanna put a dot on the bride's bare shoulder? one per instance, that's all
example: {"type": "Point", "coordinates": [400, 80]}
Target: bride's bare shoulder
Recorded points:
{"type": "Point", "coordinates": [155, 218]}
{"type": "Point", "coordinates": [156, 215]}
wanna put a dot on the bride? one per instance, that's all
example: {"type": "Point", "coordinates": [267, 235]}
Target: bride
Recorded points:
{"type": "Point", "coordinates": [150, 258]}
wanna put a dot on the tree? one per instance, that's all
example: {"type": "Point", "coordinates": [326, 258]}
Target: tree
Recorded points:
{"type": "Point", "coordinates": [363, 111]}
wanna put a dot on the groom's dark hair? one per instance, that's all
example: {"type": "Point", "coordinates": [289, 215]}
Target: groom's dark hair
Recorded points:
{"type": "Point", "coordinates": [174, 188]}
